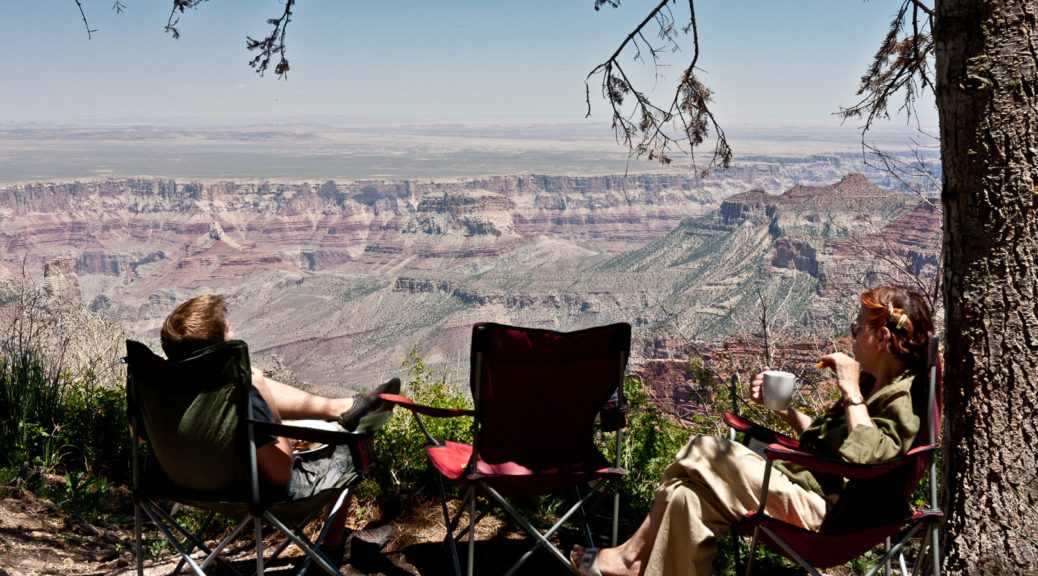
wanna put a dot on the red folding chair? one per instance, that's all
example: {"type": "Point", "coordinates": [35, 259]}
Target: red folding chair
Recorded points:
{"type": "Point", "coordinates": [890, 485]}
{"type": "Point", "coordinates": [536, 395]}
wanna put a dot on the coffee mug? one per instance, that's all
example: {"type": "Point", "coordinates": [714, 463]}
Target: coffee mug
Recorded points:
{"type": "Point", "coordinates": [778, 389]}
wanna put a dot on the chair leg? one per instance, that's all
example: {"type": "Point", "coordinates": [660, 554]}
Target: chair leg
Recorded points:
{"type": "Point", "coordinates": [302, 542]}
{"type": "Point", "coordinates": [935, 549]}
{"type": "Point", "coordinates": [752, 556]}
{"type": "Point", "coordinates": [258, 523]}
{"type": "Point", "coordinates": [171, 539]}
{"type": "Point", "coordinates": [472, 531]}
{"type": "Point", "coordinates": [886, 549]}
{"type": "Point", "coordinates": [449, 524]}
{"type": "Point", "coordinates": [935, 553]}
{"type": "Point", "coordinates": [542, 539]}
{"type": "Point", "coordinates": [138, 545]}
{"type": "Point", "coordinates": [195, 538]}
{"type": "Point", "coordinates": [792, 553]}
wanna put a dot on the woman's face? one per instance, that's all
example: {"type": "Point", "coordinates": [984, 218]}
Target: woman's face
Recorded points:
{"type": "Point", "coordinates": [867, 342]}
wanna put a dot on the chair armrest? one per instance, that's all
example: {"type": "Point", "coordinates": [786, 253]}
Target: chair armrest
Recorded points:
{"type": "Point", "coordinates": [433, 411]}
{"type": "Point", "coordinates": [758, 432]}
{"type": "Point", "coordinates": [334, 437]}
{"type": "Point", "coordinates": [840, 467]}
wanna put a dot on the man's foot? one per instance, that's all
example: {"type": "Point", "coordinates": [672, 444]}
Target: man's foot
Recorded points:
{"type": "Point", "coordinates": [367, 402]}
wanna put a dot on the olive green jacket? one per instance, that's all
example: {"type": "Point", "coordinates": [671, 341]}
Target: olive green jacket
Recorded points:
{"type": "Point", "coordinates": [896, 426]}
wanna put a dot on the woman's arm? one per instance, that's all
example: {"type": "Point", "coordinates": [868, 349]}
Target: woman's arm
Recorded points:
{"type": "Point", "coordinates": [797, 420]}
{"type": "Point", "coordinates": [848, 372]}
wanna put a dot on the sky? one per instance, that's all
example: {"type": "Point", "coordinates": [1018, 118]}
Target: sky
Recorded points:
{"type": "Point", "coordinates": [767, 61]}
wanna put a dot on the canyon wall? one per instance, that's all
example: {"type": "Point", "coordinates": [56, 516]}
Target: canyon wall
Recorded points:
{"type": "Point", "coordinates": [341, 279]}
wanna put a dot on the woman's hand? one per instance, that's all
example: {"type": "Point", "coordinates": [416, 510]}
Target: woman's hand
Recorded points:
{"type": "Point", "coordinates": [797, 420]}
{"type": "Point", "coordinates": [847, 372]}
{"type": "Point", "coordinates": [756, 392]}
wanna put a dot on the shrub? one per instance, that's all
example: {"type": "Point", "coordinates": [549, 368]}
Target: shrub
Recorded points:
{"type": "Point", "coordinates": [95, 431]}
{"type": "Point", "coordinates": [55, 411]}
{"type": "Point", "coordinates": [403, 468]}
{"type": "Point", "coordinates": [649, 444]}
{"type": "Point", "coordinates": [31, 407]}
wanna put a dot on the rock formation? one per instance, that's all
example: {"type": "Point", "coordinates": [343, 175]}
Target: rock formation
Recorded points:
{"type": "Point", "coordinates": [340, 279]}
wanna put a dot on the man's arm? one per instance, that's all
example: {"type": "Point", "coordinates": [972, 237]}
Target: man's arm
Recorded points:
{"type": "Point", "coordinates": [273, 459]}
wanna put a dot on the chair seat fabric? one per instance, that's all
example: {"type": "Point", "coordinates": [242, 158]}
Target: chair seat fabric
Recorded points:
{"type": "Point", "coordinates": [825, 549]}
{"type": "Point", "coordinates": [512, 478]}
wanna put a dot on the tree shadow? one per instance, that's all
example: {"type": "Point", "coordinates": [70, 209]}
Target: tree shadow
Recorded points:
{"type": "Point", "coordinates": [491, 557]}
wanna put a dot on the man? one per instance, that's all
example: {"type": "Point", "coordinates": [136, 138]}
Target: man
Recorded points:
{"type": "Point", "coordinates": [202, 322]}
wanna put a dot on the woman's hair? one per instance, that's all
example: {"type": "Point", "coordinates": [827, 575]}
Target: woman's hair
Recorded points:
{"type": "Point", "coordinates": [195, 324]}
{"type": "Point", "coordinates": [905, 312]}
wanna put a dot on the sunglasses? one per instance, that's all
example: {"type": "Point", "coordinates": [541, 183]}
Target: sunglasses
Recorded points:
{"type": "Point", "coordinates": [855, 328]}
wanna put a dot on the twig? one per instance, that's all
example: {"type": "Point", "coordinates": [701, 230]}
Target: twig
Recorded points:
{"type": "Point", "coordinates": [90, 32]}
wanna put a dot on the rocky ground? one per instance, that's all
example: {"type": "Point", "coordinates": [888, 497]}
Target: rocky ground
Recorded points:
{"type": "Point", "coordinates": [37, 539]}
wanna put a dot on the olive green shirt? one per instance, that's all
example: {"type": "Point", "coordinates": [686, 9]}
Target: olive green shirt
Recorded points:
{"type": "Point", "coordinates": [896, 426]}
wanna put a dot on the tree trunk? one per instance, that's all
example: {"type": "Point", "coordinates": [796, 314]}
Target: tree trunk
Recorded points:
{"type": "Point", "coordinates": [987, 96]}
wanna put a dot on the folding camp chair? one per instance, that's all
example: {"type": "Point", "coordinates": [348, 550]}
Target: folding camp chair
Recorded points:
{"type": "Point", "coordinates": [880, 491]}
{"type": "Point", "coordinates": [196, 417]}
{"type": "Point", "coordinates": [536, 395]}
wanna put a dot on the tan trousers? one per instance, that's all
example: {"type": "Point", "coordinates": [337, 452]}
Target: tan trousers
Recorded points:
{"type": "Point", "coordinates": [708, 488]}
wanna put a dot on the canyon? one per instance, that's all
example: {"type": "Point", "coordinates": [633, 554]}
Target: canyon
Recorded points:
{"type": "Point", "coordinates": [338, 280]}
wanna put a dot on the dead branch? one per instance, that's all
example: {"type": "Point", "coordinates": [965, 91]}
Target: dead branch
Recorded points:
{"type": "Point", "coordinates": [643, 127]}
{"type": "Point", "coordinates": [179, 6]}
{"type": "Point", "coordinates": [272, 44]}
{"type": "Point", "coordinates": [902, 65]}
{"type": "Point", "coordinates": [907, 174]}
{"type": "Point", "coordinates": [82, 14]}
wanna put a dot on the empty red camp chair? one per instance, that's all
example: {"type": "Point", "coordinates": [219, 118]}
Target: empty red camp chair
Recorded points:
{"type": "Point", "coordinates": [536, 395]}
{"type": "Point", "coordinates": [888, 485]}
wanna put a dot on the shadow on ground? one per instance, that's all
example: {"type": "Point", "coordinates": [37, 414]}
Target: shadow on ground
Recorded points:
{"type": "Point", "coordinates": [491, 557]}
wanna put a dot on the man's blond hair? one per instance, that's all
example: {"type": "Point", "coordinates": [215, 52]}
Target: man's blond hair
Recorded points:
{"type": "Point", "coordinates": [195, 324]}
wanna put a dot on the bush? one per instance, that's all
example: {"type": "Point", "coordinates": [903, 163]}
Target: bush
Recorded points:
{"type": "Point", "coordinates": [55, 412]}
{"type": "Point", "coordinates": [403, 468]}
{"type": "Point", "coordinates": [50, 421]}
{"type": "Point", "coordinates": [31, 408]}
{"type": "Point", "coordinates": [649, 444]}
{"type": "Point", "coordinates": [95, 431]}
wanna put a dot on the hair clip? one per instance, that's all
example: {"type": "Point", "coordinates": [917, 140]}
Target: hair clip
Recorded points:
{"type": "Point", "coordinates": [890, 309]}
{"type": "Point", "coordinates": [901, 321]}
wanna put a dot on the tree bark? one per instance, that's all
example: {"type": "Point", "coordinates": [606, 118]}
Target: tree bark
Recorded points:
{"type": "Point", "coordinates": [987, 96]}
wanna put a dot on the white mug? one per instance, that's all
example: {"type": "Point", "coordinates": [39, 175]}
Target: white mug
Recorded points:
{"type": "Point", "coordinates": [778, 389]}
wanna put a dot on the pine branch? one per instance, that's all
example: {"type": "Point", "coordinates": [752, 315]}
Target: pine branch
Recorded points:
{"type": "Point", "coordinates": [273, 44]}
{"type": "Point", "coordinates": [642, 126]}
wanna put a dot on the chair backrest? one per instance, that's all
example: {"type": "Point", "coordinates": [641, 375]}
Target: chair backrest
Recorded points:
{"type": "Point", "coordinates": [537, 392]}
{"type": "Point", "coordinates": [191, 411]}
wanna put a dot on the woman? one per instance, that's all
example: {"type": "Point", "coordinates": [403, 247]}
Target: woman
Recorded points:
{"type": "Point", "coordinates": [714, 482]}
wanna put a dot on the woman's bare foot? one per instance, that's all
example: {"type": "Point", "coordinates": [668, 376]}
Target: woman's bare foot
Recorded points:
{"type": "Point", "coordinates": [611, 561]}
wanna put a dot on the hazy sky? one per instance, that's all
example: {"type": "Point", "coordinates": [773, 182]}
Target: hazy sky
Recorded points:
{"type": "Point", "coordinates": [779, 61]}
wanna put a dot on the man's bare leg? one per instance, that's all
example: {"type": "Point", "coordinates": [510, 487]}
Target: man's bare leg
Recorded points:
{"type": "Point", "coordinates": [295, 404]}
{"type": "Point", "coordinates": [630, 557]}
{"type": "Point", "coordinates": [333, 539]}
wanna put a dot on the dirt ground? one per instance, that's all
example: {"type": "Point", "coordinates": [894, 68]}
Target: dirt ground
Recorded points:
{"type": "Point", "coordinates": [37, 539]}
